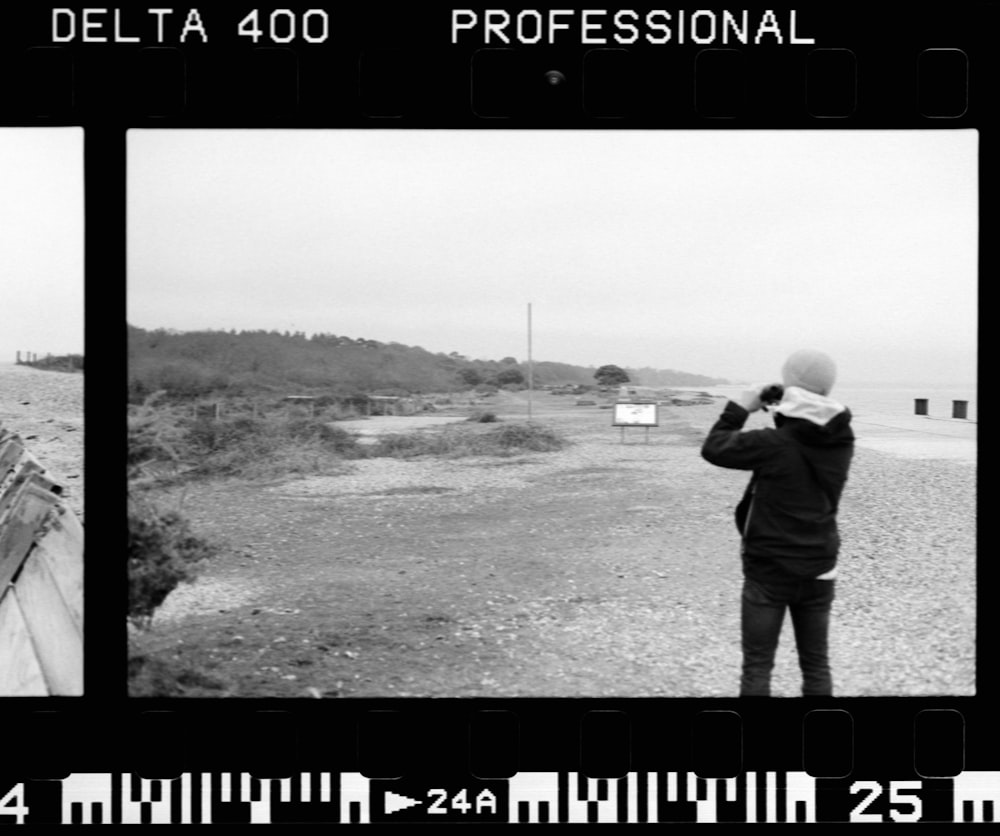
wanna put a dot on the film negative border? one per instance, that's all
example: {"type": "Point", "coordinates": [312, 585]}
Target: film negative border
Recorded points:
{"type": "Point", "coordinates": [398, 761]}
{"type": "Point", "coordinates": [305, 65]}
{"type": "Point", "coordinates": [652, 762]}
{"type": "Point", "coordinates": [527, 798]}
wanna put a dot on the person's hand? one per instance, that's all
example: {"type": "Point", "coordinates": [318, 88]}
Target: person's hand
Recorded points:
{"type": "Point", "coordinates": [749, 399]}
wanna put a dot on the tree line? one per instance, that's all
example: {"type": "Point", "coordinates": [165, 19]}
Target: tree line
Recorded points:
{"type": "Point", "coordinates": [190, 364]}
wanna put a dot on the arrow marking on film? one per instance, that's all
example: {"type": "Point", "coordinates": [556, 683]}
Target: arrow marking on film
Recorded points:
{"type": "Point", "coordinates": [394, 802]}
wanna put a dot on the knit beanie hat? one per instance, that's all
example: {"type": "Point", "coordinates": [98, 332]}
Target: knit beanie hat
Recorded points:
{"type": "Point", "coordinates": [811, 370]}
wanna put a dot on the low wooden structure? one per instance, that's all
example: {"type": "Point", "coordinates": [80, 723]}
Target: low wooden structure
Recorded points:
{"type": "Point", "coordinates": [41, 580]}
{"type": "Point", "coordinates": [394, 405]}
{"type": "Point", "coordinates": [302, 400]}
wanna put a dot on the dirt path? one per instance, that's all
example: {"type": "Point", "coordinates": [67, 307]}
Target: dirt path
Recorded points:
{"type": "Point", "coordinates": [46, 409]}
{"type": "Point", "coordinates": [606, 569]}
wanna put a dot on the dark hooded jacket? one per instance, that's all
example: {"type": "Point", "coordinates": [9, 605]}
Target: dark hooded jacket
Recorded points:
{"type": "Point", "coordinates": [788, 514]}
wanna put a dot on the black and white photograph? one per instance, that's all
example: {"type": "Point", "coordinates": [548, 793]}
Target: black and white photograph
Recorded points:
{"type": "Point", "coordinates": [41, 412]}
{"type": "Point", "coordinates": [376, 388]}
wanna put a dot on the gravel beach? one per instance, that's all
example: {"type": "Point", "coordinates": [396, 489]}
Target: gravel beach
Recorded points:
{"type": "Point", "coordinates": [46, 409]}
{"type": "Point", "coordinates": [609, 568]}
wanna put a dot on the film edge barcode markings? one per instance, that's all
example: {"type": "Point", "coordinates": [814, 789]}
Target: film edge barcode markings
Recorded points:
{"type": "Point", "coordinates": [525, 798]}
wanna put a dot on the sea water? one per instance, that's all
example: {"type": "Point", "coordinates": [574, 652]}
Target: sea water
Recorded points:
{"type": "Point", "coordinates": [885, 418]}
{"type": "Point", "coordinates": [887, 401]}
{"type": "Point", "coordinates": [891, 400]}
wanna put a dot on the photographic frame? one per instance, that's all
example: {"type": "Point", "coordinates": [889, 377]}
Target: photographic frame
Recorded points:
{"type": "Point", "coordinates": [867, 69]}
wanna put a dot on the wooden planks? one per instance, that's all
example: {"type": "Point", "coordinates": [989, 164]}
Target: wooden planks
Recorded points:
{"type": "Point", "coordinates": [57, 639]}
{"type": "Point", "coordinates": [20, 672]}
{"type": "Point", "coordinates": [61, 546]}
{"type": "Point", "coordinates": [41, 580]}
{"type": "Point", "coordinates": [21, 525]}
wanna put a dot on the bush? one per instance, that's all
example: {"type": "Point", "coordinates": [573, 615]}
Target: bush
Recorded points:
{"type": "Point", "coordinates": [153, 433]}
{"type": "Point", "coordinates": [339, 440]}
{"type": "Point", "coordinates": [409, 445]}
{"type": "Point", "coordinates": [181, 379]}
{"type": "Point", "coordinates": [527, 437]}
{"type": "Point", "coordinates": [510, 377]}
{"type": "Point", "coordinates": [244, 446]}
{"type": "Point", "coordinates": [243, 443]}
{"type": "Point", "coordinates": [143, 444]}
{"type": "Point", "coordinates": [208, 436]}
{"type": "Point", "coordinates": [335, 439]}
{"type": "Point", "coordinates": [149, 676]}
{"type": "Point", "coordinates": [263, 447]}
{"type": "Point", "coordinates": [458, 440]}
{"type": "Point", "coordinates": [162, 552]}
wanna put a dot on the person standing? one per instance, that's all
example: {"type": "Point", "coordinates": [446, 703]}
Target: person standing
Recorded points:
{"type": "Point", "coordinates": [787, 517]}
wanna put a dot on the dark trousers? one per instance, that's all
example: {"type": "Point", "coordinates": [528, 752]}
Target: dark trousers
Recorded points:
{"type": "Point", "coordinates": [763, 610]}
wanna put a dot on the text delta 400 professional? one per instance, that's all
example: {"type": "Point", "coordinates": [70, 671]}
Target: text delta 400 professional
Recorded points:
{"type": "Point", "coordinates": [592, 27]}
{"type": "Point", "coordinates": [624, 27]}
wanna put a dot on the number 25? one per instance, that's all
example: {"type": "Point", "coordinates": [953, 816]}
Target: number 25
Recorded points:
{"type": "Point", "coordinates": [897, 796]}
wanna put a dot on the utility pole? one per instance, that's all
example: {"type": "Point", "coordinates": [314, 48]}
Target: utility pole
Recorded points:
{"type": "Point", "coordinates": [530, 368]}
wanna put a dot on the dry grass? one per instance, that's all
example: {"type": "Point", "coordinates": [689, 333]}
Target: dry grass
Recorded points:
{"type": "Point", "coordinates": [168, 442]}
{"type": "Point", "coordinates": [456, 441]}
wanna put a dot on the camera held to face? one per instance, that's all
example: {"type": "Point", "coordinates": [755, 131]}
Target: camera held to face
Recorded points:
{"type": "Point", "coordinates": [771, 395]}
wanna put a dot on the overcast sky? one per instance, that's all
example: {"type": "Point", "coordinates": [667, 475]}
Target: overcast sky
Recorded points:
{"type": "Point", "coordinates": [41, 241]}
{"type": "Point", "coordinates": [715, 253]}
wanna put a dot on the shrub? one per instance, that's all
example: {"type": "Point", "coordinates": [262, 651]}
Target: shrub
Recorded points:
{"type": "Point", "coordinates": [510, 377]}
{"type": "Point", "coordinates": [181, 379]}
{"type": "Point", "coordinates": [527, 437]}
{"type": "Point", "coordinates": [162, 552]}
{"type": "Point", "coordinates": [153, 433]}
{"type": "Point", "coordinates": [261, 434]}
{"type": "Point", "coordinates": [143, 444]}
{"type": "Point", "coordinates": [262, 447]}
{"type": "Point", "coordinates": [408, 445]}
{"type": "Point", "coordinates": [207, 435]}
{"type": "Point", "coordinates": [482, 417]}
{"type": "Point", "coordinates": [458, 440]}
{"type": "Point", "coordinates": [149, 676]}
{"type": "Point", "coordinates": [338, 439]}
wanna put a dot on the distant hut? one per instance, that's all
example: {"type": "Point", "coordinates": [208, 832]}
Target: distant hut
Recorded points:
{"type": "Point", "coordinates": [306, 401]}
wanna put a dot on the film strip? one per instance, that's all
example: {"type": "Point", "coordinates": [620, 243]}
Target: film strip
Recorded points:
{"type": "Point", "coordinates": [527, 798]}
{"type": "Point", "coordinates": [652, 757]}
{"type": "Point", "coordinates": [458, 764]}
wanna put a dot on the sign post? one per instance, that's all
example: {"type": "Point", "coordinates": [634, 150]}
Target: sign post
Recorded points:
{"type": "Point", "coordinates": [636, 415]}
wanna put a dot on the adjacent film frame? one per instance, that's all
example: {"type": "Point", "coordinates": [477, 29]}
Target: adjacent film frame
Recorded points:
{"type": "Point", "coordinates": [881, 67]}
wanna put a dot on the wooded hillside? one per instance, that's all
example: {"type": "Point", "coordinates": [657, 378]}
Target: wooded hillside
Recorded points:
{"type": "Point", "coordinates": [197, 363]}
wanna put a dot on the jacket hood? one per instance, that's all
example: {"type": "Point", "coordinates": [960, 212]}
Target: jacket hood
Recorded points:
{"type": "Point", "coordinates": [811, 370]}
{"type": "Point", "coordinates": [820, 410]}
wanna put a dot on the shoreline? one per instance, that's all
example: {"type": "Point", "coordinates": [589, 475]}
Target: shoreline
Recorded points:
{"type": "Point", "coordinates": [907, 436]}
{"type": "Point", "coordinates": [45, 408]}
